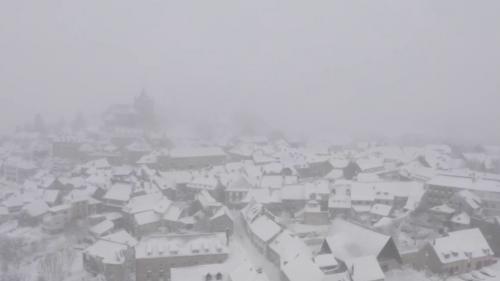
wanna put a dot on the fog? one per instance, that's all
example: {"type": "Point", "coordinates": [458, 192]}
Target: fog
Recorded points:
{"type": "Point", "coordinates": [383, 67]}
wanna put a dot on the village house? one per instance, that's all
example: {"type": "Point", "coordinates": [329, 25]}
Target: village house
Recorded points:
{"type": "Point", "coordinates": [285, 247]}
{"type": "Point", "coordinates": [117, 197]}
{"type": "Point", "coordinates": [348, 241]}
{"type": "Point", "coordinates": [459, 252]}
{"type": "Point", "coordinates": [441, 188]}
{"type": "Point", "coordinates": [339, 202]}
{"type": "Point", "coordinates": [221, 221]}
{"type": "Point", "coordinates": [157, 255]}
{"type": "Point", "coordinates": [18, 170]}
{"type": "Point", "coordinates": [262, 231]}
{"type": "Point", "coordinates": [313, 215]}
{"type": "Point", "coordinates": [112, 259]}
{"type": "Point", "coordinates": [236, 191]}
{"type": "Point", "coordinates": [67, 147]}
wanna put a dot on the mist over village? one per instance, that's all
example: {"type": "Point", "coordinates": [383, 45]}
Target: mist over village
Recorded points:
{"type": "Point", "coordinates": [236, 140]}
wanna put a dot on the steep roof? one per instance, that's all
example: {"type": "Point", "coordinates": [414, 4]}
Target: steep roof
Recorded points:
{"type": "Point", "coordinates": [348, 240]}
{"type": "Point", "coordinates": [265, 228]}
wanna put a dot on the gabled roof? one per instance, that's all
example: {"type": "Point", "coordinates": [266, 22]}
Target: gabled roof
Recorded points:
{"type": "Point", "coordinates": [224, 211]}
{"type": "Point", "coordinates": [302, 268]}
{"type": "Point", "coordinates": [102, 227]}
{"type": "Point", "coordinates": [110, 252]}
{"type": "Point", "coordinates": [265, 228]}
{"type": "Point", "coordinates": [145, 202]}
{"type": "Point", "coordinates": [119, 192]}
{"type": "Point", "coordinates": [462, 245]}
{"type": "Point", "coordinates": [288, 246]}
{"type": "Point", "coordinates": [365, 268]}
{"type": "Point", "coordinates": [122, 237]}
{"type": "Point", "coordinates": [348, 240]}
{"type": "Point", "coordinates": [36, 208]}
{"type": "Point", "coordinates": [146, 218]}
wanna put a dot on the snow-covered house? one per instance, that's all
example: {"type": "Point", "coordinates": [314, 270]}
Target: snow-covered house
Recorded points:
{"type": "Point", "coordinates": [262, 231]}
{"type": "Point", "coordinates": [459, 252]}
{"type": "Point", "coordinates": [348, 241]}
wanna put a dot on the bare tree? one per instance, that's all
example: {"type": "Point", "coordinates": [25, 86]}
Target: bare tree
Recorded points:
{"type": "Point", "coordinates": [12, 276]}
{"type": "Point", "coordinates": [52, 267]}
{"type": "Point", "coordinates": [10, 251]}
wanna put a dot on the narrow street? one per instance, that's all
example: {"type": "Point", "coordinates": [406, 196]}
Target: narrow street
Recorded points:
{"type": "Point", "coordinates": [258, 259]}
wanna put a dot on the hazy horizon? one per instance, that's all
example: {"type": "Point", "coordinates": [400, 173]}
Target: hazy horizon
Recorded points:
{"type": "Point", "coordinates": [377, 67]}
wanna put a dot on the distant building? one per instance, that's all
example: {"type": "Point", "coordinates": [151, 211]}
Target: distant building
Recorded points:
{"type": "Point", "coordinates": [18, 170]}
{"type": "Point", "coordinates": [441, 188]}
{"type": "Point", "coordinates": [67, 147]}
{"type": "Point", "coordinates": [193, 158]}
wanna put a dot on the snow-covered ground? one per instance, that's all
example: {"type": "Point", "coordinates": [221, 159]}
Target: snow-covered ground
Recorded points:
{"type": "Point", "coordinates": [255, 257]}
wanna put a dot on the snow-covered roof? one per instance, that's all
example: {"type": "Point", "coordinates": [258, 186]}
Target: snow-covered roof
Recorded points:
{"type": "Point", "coordinates": [200, 272]}
{"type": "Point", "coordinates": [470, 198]}
{"type": "Point", "coordinates": [36, 208]}
{"type": "Point", "coordinates": [102, 227]}
{"type": "Point", "coordinates": [339, 163]}
{"type": "Point", "coordinates": [110, 252]}
{"type": "Point", "coordinates": [181, 245]}
{"type": "Point", "coordinates": [271, 181]}
{"type": "Point", "coordinates": [206, 200]}
{"type": "Point", "coordinates": [462, 245]}
{"type": "Point", "coordinates": [365, 268]}
{"type": "Point", "coordinates": [288, 246]}
{"type": "Point", "coordinates": [294, 192]}
{"type": "Point", "coordinates": [348, 240]}
{"type": "Point", "coordinates": [335, 174]}
{"type": "Point", "coordinates": [224, 211]}
{"type": "Point", "coordinates": [263, 196]}
{"type": "Point", "coordinates": [302, 268]}
{"type": "Point", "coordinates": [173, 213]}
{"type": "Point", "coordinates": [326, 260]}
{"type": "Point", "coordinates": [146, 217]}
{"type": "Point", "coordinates": [50, 196]}
{"type": "Point", "coordinates": [204, 182]}
{"type": "Point", "coordinates": [122, 237]}
{"type": "Point", "coordinates": [246, 272]}
{"type": "Point", "coordinates": [265, 228]}
{"type": "Point", "coordinates": [368, 177]}
{"type": "Point", "coordinates": [465, 183]}
{"type": "Point", "coordinates": [362, 192]}
{"type": "Point", "coordinates": [381, 210]}
{"type": "Point", "coordinates": [367, 164]}
{"type": "Point", "coordinates": [119, 192]}
{"type": "Point", "coordinates": [145, 202]}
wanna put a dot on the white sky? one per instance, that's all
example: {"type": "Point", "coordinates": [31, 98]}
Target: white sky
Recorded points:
{"type": "Point", "coordinates": [380, 66]}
